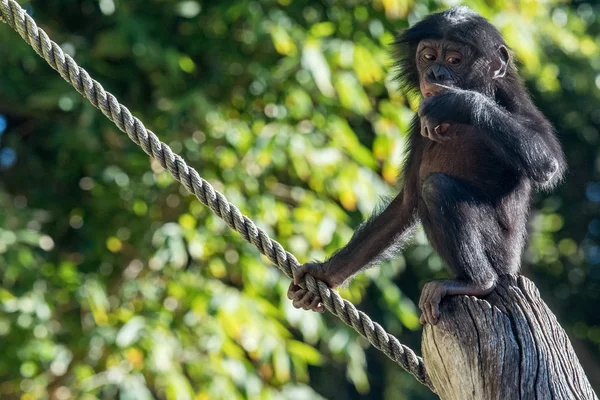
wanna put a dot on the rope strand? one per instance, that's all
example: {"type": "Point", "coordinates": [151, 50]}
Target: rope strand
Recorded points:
{"type": "Point", "coordinates": [16, 17]}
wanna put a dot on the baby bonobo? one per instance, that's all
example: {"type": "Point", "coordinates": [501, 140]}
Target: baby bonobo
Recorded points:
{"type": "Point", "coordinates": [479, 147]}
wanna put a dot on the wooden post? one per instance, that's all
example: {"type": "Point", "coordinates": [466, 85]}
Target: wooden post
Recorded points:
{"type": "Point", "coordinates": [506, 346]}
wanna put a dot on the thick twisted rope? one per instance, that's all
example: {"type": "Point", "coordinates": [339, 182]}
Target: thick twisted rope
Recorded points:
{"type": "Point", "coordinates": [12, 13]}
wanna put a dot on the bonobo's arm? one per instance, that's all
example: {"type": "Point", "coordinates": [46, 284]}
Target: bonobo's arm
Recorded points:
{"type": "Point", "coordinates": [378, 238]}
{"type": "Point", "coordinates": [524, 141]}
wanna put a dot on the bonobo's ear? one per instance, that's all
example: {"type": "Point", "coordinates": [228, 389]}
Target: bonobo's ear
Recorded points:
{"type": "Point", "coordinates": [500, 64]}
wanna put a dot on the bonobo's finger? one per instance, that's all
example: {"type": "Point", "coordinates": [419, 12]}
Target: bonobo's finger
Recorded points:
{"type": "Point", "coordinates": [303, 300]}
{"type": "Point", "coordinates": [444, 127]}
{"type": "Point", "coordinates": [439, 134]}
{"type": "Point", "coordinates": [307, 300]}
{"type": "Point", "coordinates": [434, 134]}
{"type": "Point", "coordinates": [297, 304]}
{"type": "Point", "coordinates": [300, 294]}
{"type": "Point", "coordinates": [292, 289]}
{"type": "Point", "coordinates": [315, 304]}
{"type": "Point", "coordinates": [422, 319]}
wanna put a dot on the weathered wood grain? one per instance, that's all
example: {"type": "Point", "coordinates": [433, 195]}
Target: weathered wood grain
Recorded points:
{"type": "Point", "coordinates": [506, 346]}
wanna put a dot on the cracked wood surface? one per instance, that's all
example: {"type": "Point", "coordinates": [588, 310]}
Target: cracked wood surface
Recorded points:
{"type": "Point", "coordinates": [506, 346]}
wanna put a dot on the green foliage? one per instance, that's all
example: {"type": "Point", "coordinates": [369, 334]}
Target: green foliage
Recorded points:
{"type": "Point", "coordinates": [116, 284]}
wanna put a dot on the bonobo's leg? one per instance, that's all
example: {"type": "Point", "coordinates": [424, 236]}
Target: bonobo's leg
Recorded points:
{"type": "Point", "coordinates": [462, 226]}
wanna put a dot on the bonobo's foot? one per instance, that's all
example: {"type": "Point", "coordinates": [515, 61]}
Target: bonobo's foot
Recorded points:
{"type": "Point", "coordinates": [302, 298]}
{"type": "Point", "coordinates": [434, 291]}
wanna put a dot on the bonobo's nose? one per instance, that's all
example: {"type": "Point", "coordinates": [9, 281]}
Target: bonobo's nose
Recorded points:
{"type": "Point", "coordinates": [439, 73]}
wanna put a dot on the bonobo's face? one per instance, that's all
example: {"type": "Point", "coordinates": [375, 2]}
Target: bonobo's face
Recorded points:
{"type": "Point", "coordinates": [442, 63]}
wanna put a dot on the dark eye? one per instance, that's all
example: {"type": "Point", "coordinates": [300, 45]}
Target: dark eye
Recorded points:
{"type": "Point", "coordinates": [454, 60]}
{"type": "Point", "coordinates": [429, 57]}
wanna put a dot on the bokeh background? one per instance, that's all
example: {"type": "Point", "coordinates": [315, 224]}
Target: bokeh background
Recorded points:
{"type": "Point", "coordinates": [115, 284]}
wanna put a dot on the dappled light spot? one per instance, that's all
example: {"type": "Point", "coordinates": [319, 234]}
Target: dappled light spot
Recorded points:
{"type": "Point", "coordinates": [8, 157]}
{"type": "Point", "coordinates": [46, 243]}
{"type": "Point", "coordinates": [114, 244]}
{"type": "Point", "coordinates": [189, 9]}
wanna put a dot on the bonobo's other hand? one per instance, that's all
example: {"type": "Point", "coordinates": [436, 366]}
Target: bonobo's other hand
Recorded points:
{"type": "Point", "coordinates": [302, 298]}
{"type": "Point", "coordinates": [435, 131]}
{"type": "Point", "coordinates": [431, 126]}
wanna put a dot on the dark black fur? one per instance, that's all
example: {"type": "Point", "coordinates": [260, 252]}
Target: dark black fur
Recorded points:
{"type": "Point", "coordinates": [472, 194]}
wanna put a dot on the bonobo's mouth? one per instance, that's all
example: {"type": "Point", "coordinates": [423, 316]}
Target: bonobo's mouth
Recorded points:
{"type": "Point", "coordinates": [433, 89]}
